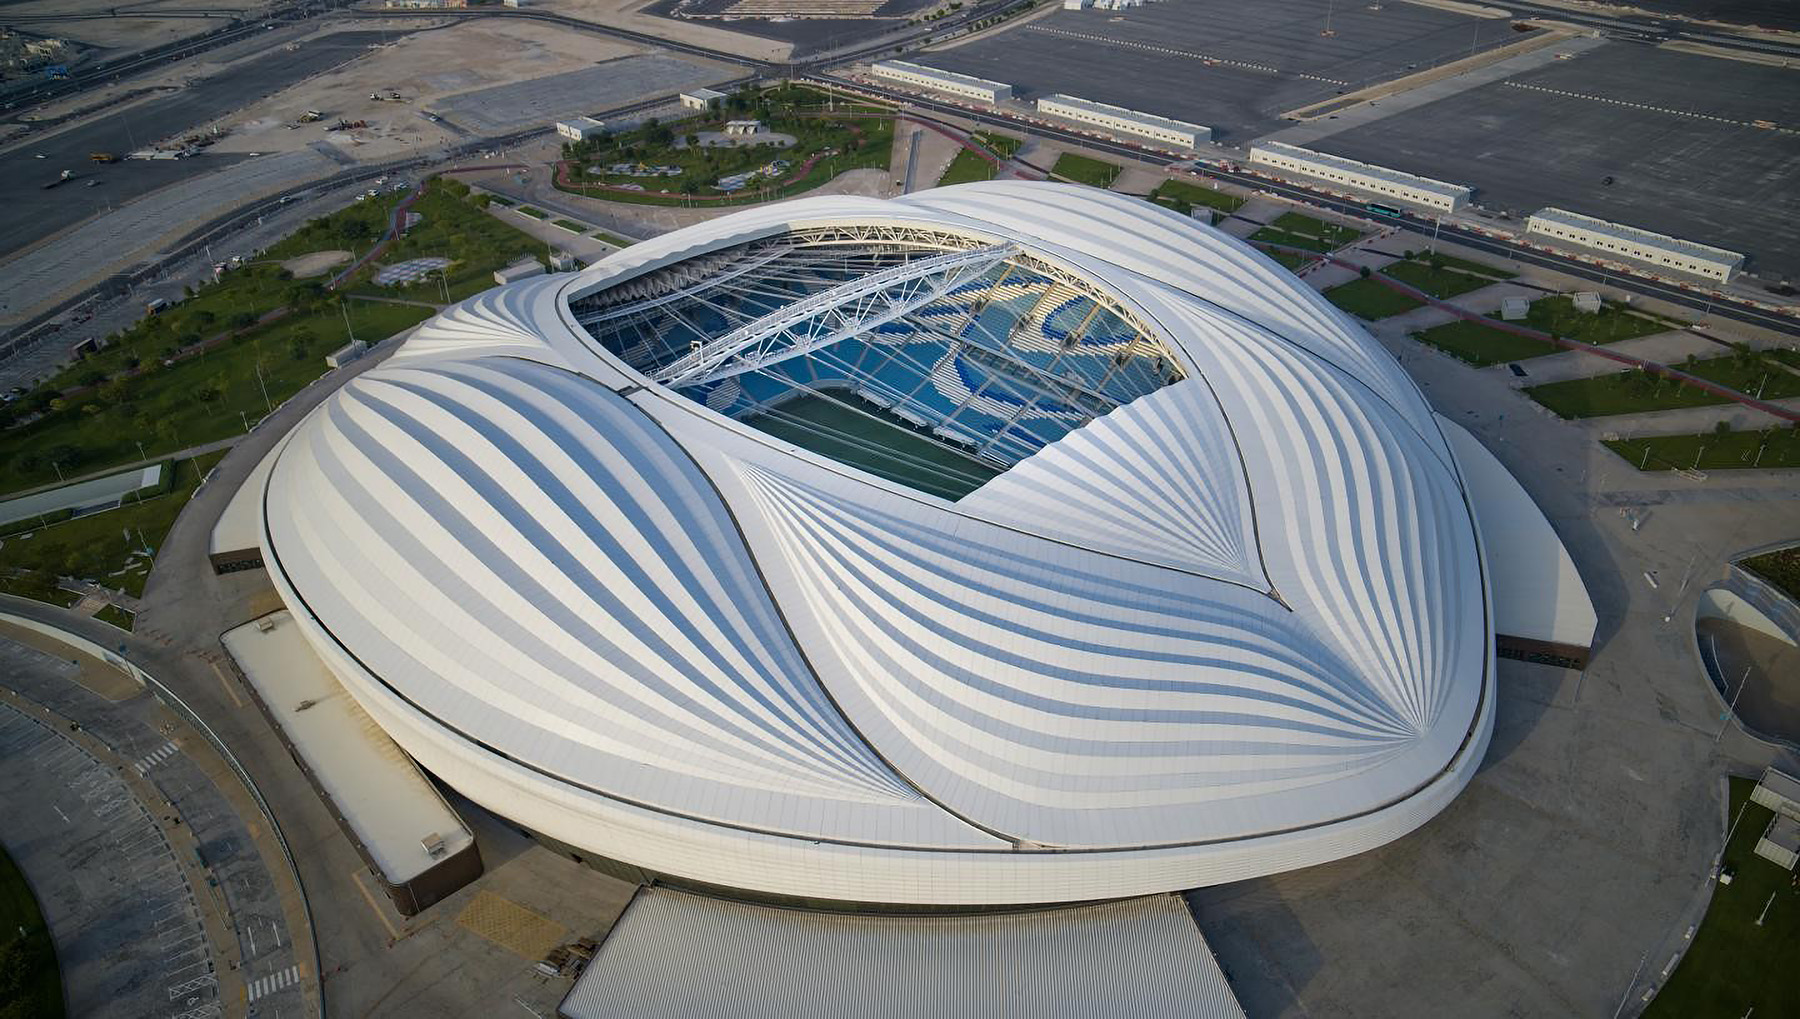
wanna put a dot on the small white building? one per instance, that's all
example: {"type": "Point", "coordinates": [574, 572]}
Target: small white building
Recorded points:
{"type": "Point", "coordinates": [1179, 133]}
{"type": "Point", "coordinates": [346, 353]}
{"type": "Point", "coordinates": [1407, 187]}
{"type": "Point", "coordinates": [519, 270]}
{"type": "Point", "coordinates": [742, 127]}
{"type": "Point", "coordinates": [965, 85]}
{"type": "Point", "coordinates": [1512, 309]}
{"type": "Point", "coordinates": [580, 129]}
{"type": "Point", "coordinates": [1621, 241]}
{"type": "Point", "coordinates": [703, 99]}
{"type": "Point", "coordinates": [562, 261]}
{"type": "Point", "coordinates": [1076, 5]}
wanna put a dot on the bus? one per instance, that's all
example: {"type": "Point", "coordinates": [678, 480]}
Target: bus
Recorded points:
{"type": "Point", "coordinates": [1384, 210]}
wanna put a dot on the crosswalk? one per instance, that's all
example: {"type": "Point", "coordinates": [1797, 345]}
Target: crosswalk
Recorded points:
{"type": "Point", "coordinates": [154, 757]}
{"type": "Point", "coordinates": [262, 987]}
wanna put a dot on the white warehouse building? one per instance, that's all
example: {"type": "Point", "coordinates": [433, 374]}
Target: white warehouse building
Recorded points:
{"type": "Point", "coordinates": [1407, 187]}
{"type": "Point", "coordinates": [580, 129]}
{"type": "Point", "coordinates": [1623, 241]}
{"type": "Point", "coordinates": [965, 85]}
{"type": "Point", "coordinates": [1117, 118]}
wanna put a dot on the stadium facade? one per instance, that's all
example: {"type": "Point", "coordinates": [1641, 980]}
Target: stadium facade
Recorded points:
{"type": "Point", "coordinates": [1005, 543]}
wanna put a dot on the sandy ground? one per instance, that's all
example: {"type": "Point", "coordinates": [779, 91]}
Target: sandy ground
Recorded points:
{"type": "Point", "coordinates": [628, 14]}
{"type": "Point", "coordinates": [316, 263]}
{"type": "Point", "coordinates": [423, 66]}
{"type": "Point", "coordinates": [123, 35]}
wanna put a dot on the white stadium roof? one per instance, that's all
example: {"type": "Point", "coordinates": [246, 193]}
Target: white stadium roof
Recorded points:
{"type": "Point", "coordinates": [1223, 611]}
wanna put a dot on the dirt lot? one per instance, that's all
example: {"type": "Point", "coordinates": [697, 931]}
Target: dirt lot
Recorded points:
{"type": "Point", "coordinates": [423, 66]}
{"type": "Point", "coordinates": [123, 35]}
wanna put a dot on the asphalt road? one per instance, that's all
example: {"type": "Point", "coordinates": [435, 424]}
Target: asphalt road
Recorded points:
{"type": "Point", "coordinates": [29, 213]}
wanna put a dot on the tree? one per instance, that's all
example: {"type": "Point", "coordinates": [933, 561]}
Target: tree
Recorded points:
{"type": "Point", "coordinates": [1363, 272]}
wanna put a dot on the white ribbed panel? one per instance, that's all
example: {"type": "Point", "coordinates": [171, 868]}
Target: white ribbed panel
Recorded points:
{"type": "Point", "coordinates": [1157, 480]}
{"type": "Point", "coordinates": [1141, 958]}
{"type": "Point", "coordinates": [1234, 627]}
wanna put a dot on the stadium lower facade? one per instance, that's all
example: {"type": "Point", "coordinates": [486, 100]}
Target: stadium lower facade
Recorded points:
{"type": "Point", "coordinates": [1005, 543]}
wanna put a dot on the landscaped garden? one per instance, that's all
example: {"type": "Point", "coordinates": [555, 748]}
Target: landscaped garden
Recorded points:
{"type": "Point", "coordinates": [1083, 170]}
{"type": "Point", "coordinates": [1482, 345]}
{"type": "Point", "coordinates": [1435, 275]}
{"type": "Point", "coordinates": [1781, 567]}
{"type": "Point", "coordinates": [969, 166]}
{"type": "Point", "coordinates": [829, 137]}
{"type": "Point", "coordinates": [208, 366]}
{"type": "Point", "coordinates": [1558, 316]}
{"type": "Point", "coordinates": [96, 547]}
{"type": "Point", "coordinates": [1370, 299]}
{"type": "Point", "coordinates": [1770, 448]}
{"type": "Point", "coordinates": [1296, 230]}
{"type": "Point", "coordinates": [1183, 197]}
{"type": "Point", "coordinates": [1741, 961]}
{"type": "Point", "coordinates": [1637, 391]}
{"type": "Point", "coordinates": [30, 983]}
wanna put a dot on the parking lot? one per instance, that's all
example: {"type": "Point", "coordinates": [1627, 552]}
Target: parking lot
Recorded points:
{"type": "Point", "coordinates": [1235, 68]}
{"type": "Point", "coordinates": [504, 108]}
{"type": "Point", "coordinates": [1675, 132]}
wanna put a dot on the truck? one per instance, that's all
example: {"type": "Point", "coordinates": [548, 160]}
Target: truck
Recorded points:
{"type": "Point", "coordinates": [103, 157]}
{"type": "Point", "coordinates": [61, 179]}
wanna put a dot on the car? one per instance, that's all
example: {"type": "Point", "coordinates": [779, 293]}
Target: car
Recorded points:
{"type": "Point", "coordinates": [1606, 182]}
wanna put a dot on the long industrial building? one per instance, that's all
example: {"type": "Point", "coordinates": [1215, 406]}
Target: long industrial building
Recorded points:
{"type": "Point", "coordinates": [1623, 241]}
{"type": "Point", "coordinates": [1000, 544]}
{"type": "Point", "coordinates": [1407, 187]}
{"type": "Point", "coordinates": [1116, 118]}
{"type": "Point", "coordinates": [966, 85]}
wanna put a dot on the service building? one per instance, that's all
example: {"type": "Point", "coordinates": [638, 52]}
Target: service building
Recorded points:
{"type": "Point", "coordinates": [1617, 239]}
{"type": "Point", "coordinates": [1117, 118]}
{"type": "Point", "coordinates": [965, 85]}
{"type": "Point", "coordinates": [580, 129]}
{"type": "Point", "coordinates": [1407, 187]}
{"type": "Point", "coordinates": [702, 99]}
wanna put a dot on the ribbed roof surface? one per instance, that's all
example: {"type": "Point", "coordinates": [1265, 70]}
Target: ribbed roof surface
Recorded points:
{"type": "Point", "coordinates": [1250, 603]}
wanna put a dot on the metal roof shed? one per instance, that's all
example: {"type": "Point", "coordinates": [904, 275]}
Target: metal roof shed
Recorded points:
{"type": "Point", "coordinates": [675, 954]}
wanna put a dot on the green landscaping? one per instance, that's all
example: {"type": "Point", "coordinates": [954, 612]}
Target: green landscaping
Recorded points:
{"type": "Point", "coordinates": [571, 226]}
{"type": "Point", "coordinates": [526, 210]}
{"type": "Point", "coordinates": [832, 135]}
{"type": "Point", "coordinates": [30, 983]}
{"type": "Point", "coordinates": [1780, 568]}
{"type": "Point", "coordinates": [1292, 260]}
{"type": "Point", "coordinates": [1612, 323]}
{"type": "Point", "coordinates": [1295, 230]}
{"type": "Point", "coordinates": [1370, 299]}
{"type": "Point", "coordinates": [613, 239]}
{"type": "Point", "coordinates": [1183, 197]}
{"type": "Point", "coordinates": [1769, 449]}
{"type": "Point", "coordinates": [1635, 391]}
{"type": "Point", "coordinates": [121, 618]}
{"type": "Point", "coordinates": [1000, 145]}
{"type": "Point", "coordinates": [852, 431]}
{"type": "Point", "coordinates": [1083, 170]}
{"type": "Point", "coordinates": [222, 358]}
{"type": "Point", "coordinates": [95, 547]}
{"type": "Point", "coordinates": [1483, 345]}
{"type": "Point", "coordinates": [966, 168]}
{"type": "Point", "coordinates": [1436, 278]}
{"type": "Point", "coordinates": [1737, 965]}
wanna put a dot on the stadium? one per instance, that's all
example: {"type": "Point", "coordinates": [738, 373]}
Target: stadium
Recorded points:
{"type": "Point", "coordinates": [1006, 543]}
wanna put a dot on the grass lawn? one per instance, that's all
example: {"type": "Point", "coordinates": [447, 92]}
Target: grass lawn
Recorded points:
{"type": "Point", "coordinates": [1712, 451]}
{"type": "Point", "coordinates": [117, 616]}
{"type": "Point", "coordinates": [1083, 170]}
{"type": "Point", "coordinates": [1183, 196]}
{"type": "Point", "coordinates": [1482, 345]}
{"type": "Point", "coordinates": [502, 200]}
{"type": "Point", "coordinates": [1781, 568]}
{"type": "Point", "coordinates": [613, 239]}
{"type": "Point", "coordinates": [1612, 323]}
{"type": "Point", "coordinates": [570, 225]}
{"type": "Point", "coordinates": [1299, 231]}
{"type": "Point", "coordinates": [1441, 283]}
{"type": "Point", "coordinates": [1631, 392]}
{"type": "Point", "coordinates": [95, 547]}
{"type": "Point", "coordinates": [1464, 264]}
{"type": "Point", "coordinates": [1369, 299]}
{"type": "Point", "coordinates": [1735, 967]}
{"type": "Point", "coordinates": [533, 213]}
{"type": "Point", "coordinates": [1293, 261]}
{"type": "Point", "coordinates": [878, 442]}
{"type": "Point", "coordinates": [966, 168]}
{"type": "Point", "coordinates": [999, 144]}
{"type": "Point", "coordinates": [30, 984]}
